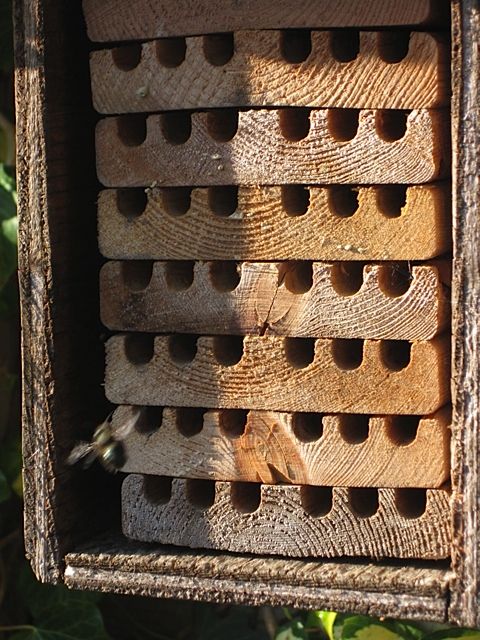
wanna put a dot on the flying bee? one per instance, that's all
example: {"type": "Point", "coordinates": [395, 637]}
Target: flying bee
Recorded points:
{"type": "Point", "coordinates": [106, 444]}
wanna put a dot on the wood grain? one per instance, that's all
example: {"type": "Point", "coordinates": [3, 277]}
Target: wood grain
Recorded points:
{"type": "Point", "coordinates": [273, 373]}
{"type": "Point", "coordinates": [271, 447]}
{"type": "Point", "coordinates": [319, 300]}
{"type": "Point", "coordinates": [274, 223]}
{"type": "Point", "coordinates": [287, 520]}
{"type": "Point", "coordinates": [260, 150]}
{"type": "Point", "coordinates": [126, 20]}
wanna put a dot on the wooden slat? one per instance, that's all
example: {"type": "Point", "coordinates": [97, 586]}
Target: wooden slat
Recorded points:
{"type": "Point", "coordinates": [265, 148]}
{"type": "Point", "coordinates": [319, 300]}
{"type": "Point", "coordinates": [270, 447]}
{"type": "Point", "coordinates": [127, 20]}
{"type": "Point", "coordinates": [273, 373]}
{"type": "Point", "coordinates": [287, 520]}
{"type": "Point", "coordinates": [274, 223]}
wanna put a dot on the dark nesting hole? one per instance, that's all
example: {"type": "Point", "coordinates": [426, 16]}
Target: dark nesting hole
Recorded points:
{"type": "Point", "coordinates": [128, 57]}
{"type": "Point", "coordinates": [232, 422]}
{"type": "Point", "coordinates": [225, 275]}
{"type": "Point", "coordinates": [299, 352]}
{"type": "Point", "coordinates": [343, 201]}
{"type": "Point", "coordinates": [393, 45]}
{"type": "Point", "coordinates": [131, 203]}
{"type": "Point", "coordinates": [343, 124]}
{"type": "Point", "coordinates": [363, 501]}
{"type": "Point", "coordinates": [345, 44]}
{"type": "Point", "coordinates": [395, 354]}
{"type": "Point", "coordinates": [391, 124]}
{"type": "Point", "coordinates": [189, 420]}
{"type": "Point", "coordinates": [132, 129]}
{"type": "Point", "coordinates": [295, 199]}
{"type": "Point", "coordinates": [295, 45]}
{"type": "Point", "coordinates": [402, 430]}
{"type": "Point", "coordinates": [391, 199]}
{"type": "Point", "coordinates": [228, 350]}
{"type": "Point", "coordinates": [139, 348]}
{"type": "Point", "coordinates": [182, 348]}
{"type": "Point", "coordinates": [347, 277]}
{"type": "Point", "coordinates": [157, 489]}
{"type": "Point", "coordinates": [223, 201]}
{"type": "Point", "coordinates": [179, 274]}
{"type": "Point", "coordinates": [222, 124]}
{"type": "Point", "coordinates": [171, 51]}
{"type": "Point", "coordinates": [395, 279]}
{"type": "Point", "coordinates": [411, 503]}
{"type": "Point", "coordinates": [307, 427]}
{"type": "Point", "coordinates": [316, 501]}
{"type": "Point", "coordinates": [176, 126]}
{"type": "Point", "coordinates": [176, 200]}
{"type": "Point", "coordinates": [200, 493]}
{"type": "Point", "coordinates": [297, 276]}
{"type": "Point", "coordinates": [354, 429]}
{"type": "Point", "coordinates": [137, 274]}
{"type": "Point", "coordinates": [347, 354]}
{"type": "Point", "coordinates": [295, 123]}
{"type": "Point", "coordinates": [218, 48]}
{"type": "Point", "coordinates": [245, 496]}
{"type": "Point", "coordinates": [149, 420]}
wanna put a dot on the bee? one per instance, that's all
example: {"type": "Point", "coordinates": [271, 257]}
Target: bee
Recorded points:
{"type": "Point", "coordinates": [106, 444]}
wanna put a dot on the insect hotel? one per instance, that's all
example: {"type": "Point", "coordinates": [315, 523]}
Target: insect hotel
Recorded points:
{"type": "Point", "coordinates": [249, 237]}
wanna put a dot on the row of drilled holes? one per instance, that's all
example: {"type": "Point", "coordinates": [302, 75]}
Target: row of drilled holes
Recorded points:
{"type": "Point", "coordinates": [222, 125]}
{"type": "Point", "coordinates": [299, 352]}
{"type": "Point", "coordinates": [295, 47]}
{"type": "Point", "coordinates": [295, 200]}
{"type": "Point", "coordinates": [317, 502]}
{"type": "Point", "coordinates": [306, 427]}
{"type": "Point", "coordinates": [346, 277]}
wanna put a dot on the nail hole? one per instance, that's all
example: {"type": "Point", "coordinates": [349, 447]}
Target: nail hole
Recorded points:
{"type": "Point", "coordinates": [131, 203]}
{"type": "Point", "coordinates": [363, 502]}
{"type": "Point", "coordinates": [299, 352]}
{"type": "Point", "coordinates": [179, 274]}
{"type": "Point", "coordinates": [182, 348]}
{"type": "Point", "coordinates": [157, 489]}
{"type": "Point", "coordinates": [222, 124]}
{"type": "Point", "coordinates": [176, 200]}
{"type": "Point", "coordinates": [345, 44]}
{"type": "Point", "coordinates": [297, 276]}
{"type": "Point", "coordinates": [395, 279]}
{"type": "Point", "coordinates": [391, 124]}
{"type": "Point", "coordinates": [347, 277]}
{"type": "Point", "coordinates": [393, 45]}
{"type": "Point", "coordinates": [149, 420]}
{"type": "Point", "coordinates": [411, 503]}
{"type": "Point", "coordinates": [295, 123]}
{"type": "Point", "coordinates": [200, 493]}
{"type": "Point", "coordinates": [347, 354]}
{"type": "Point", "coordinates": [391, 199]}
{"type": "Point", "coordinates": [132, 129]}
{"type": "Point", "coordinates": [395, 354]}
{"type": "Point", "coordinates": [307, 427]}
{"type": "Point", "coordinates": [316, 501]}
{"type": "Point", "coordinates": [295, 45]}
{"type": "Point", "coordinates": [228, 350]}
{"type": "Point", "coordinates": [245, 496]}
{"type": "Point", "coordinates": [295, 199]}
{"type": "Point", "coordinates": [223, 201]}
{"type": "Point", "coordinates": [189, 420]}
{"type": "Point", "coordinates": [232, 422]}
{"type": "Point", "coordinates": [171, 51]}
{"type": "Point", "coordinates": [354, 428]}
{"type": "Point", "coordinates": [343, 201]}
{"type": "Point", "coordinates": [218, 48]}
{"type": "Point", "coordinates": [127, 58]}
{"type": "Point", "coordinates": [139, 348]}
{"type": "Point", "coordinates": [176, 126]}
{"type": "Point", "coordinates": [402, 430]}
{"type": "Point", "coordinates": [136, 274]}
{"type": "Point", "coordinates": [343, 124]}
{"type": "Point", "coordinates": [225, 275]}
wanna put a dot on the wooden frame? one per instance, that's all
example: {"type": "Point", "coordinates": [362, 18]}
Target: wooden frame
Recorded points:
{"type": "Point", "coordinates": [63, 363]}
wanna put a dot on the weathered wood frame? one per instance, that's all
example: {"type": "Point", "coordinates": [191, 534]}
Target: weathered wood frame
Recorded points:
{"type": "Point", "coordinates": [58, 283]}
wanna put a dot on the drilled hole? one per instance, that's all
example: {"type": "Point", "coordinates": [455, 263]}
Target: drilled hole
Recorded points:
{"type": "Point", "coordinates": [225, 275]}
{"type": "Point", "coordinates": [354, 429]}
{"type": "Point", "coordinates": [179, 274]}
{"type": "Point", "coordinates": [395, 279]}
{"type": "Point", "coordinates": [171, 51]}
{"type": "Point", "coordinates": [245, 496]}
{"type": "Point", "coordinates": [139, 348]}
{"type": "Point", "coordinates": [157, 489]}
{"type": "Point", "coordinates": [391, 199]}
{"type": "Point", "coordinates": [363, 501]}
{"type": "Point", "coordinates": [131, 203]}
{"type": "Point", "coordinates": [132, 129]}
{"type": "Point", "coordinates": [137, 274]}
{"type": "Point", "coordinates": [402, 430]}
{"type": "Point", "coordinates": [295, 123]}
{"type": "Point", "coordinates": [347, 277]}
{"type": "Point", "coordinates": [316, 501]}
{"type": "Point", "coordinates": [343, 201]}
{"type": "Point", "coordinates": [391, 124]}
{"type": "Point", "coordinates": [176, 126]}
{"type": "Point", "coordinates": [411, 503]}
{"type": "Point", "coordinates": [347, 354]}
{"type": "Point", "coordinates": [295, 45]}
{"type": "Point", "coordinates": [233, 422]}
{"type": "Point", "coordinates": [343, 124]}
{"type": "Point", "coordinates": [307, 427]}
{"type": "Point", "coordinates": [218, 48]}
{"type": "Point", "coordinates": [228, 350]}
{"type": "Point", "coordinates": [182, 348]}
{"type": "Point", "coordinates": [393, 45]}
{"type": "Point", "coordinates": [176, 200]}
{"type": "Point", "coordinates": [295, 199]}
{"type": "Point", "coordinates": [222, 124]}
{"type": "Point", "coordinates": [149, 420]}
{"type": "Point", "coordinates": [127, 58]}
{"type": "Point", "coordinates": [189, 420]}
{"type": "Point", "coordinates": [297, 276]}
{"type": "Point", "coordinates": [200, 493]}
{"type": "Point", "coordinates": [223, 201]}
{"type": "Point", "coordinates": [299, 352]}
{"type": "Point", "coordinates": [395, 354]}
{"type": "Point", "coordinates": [345, 44]}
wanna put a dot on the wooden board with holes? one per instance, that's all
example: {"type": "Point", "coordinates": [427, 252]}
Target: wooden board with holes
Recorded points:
{"type": "Point", "coordinates": [282, 374]}
{"type": "Point", "coordinates": [287, 520]}
{"type": "Point", "coordinates": [111, 20]}
{"type": "Point", "coordinates": [262, 68]}
{"type": "Point", "coordinates": [275, 223]}
{"type": "Point", "coordinates": [272, 447]}
{"type": "Point", "coordinates": [320, 300]}
{"type": "Point", "coordinates": [272, 146]}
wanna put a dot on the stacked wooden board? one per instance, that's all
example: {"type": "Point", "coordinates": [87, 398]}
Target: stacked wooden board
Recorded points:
{"type": "Point", "coordinates": [276, 221]}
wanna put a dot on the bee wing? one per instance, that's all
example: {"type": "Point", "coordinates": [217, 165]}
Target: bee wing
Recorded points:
{"type": "Point", "coordinates": [79, 451]}
{"type": "Point", "coordinates": [126, 427]}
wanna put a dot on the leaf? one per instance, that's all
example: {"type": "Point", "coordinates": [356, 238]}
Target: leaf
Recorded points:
{"type": "Point", "coordinates": [323, 619]}
{"type": "Point", "coordinates": [365, 628]}
{"type": "Point", "coordinates": [448, 634]}
{"type": "Point", "coordinates": [294, 630]}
